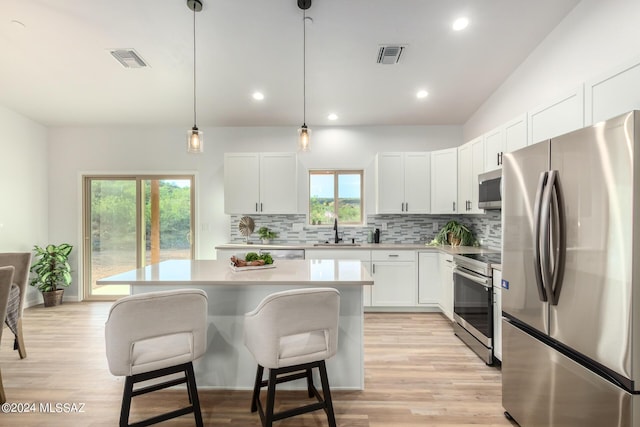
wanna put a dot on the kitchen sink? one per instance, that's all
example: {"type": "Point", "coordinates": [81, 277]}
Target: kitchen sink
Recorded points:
{"type": "Point", "coordinates": [336, 244]}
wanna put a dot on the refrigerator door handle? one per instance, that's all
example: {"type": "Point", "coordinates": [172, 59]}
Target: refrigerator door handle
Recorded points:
{"type": "Point", "coordinates": [537, 261]}
{"type": "Point", "coordinates": [559, 217]}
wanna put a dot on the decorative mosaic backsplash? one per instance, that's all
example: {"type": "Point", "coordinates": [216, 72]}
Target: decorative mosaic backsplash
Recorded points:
{"type": "Point", "coordinates": [400, 228]}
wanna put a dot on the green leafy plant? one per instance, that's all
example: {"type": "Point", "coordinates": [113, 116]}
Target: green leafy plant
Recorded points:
{"type": "Point", "coordinates": [251, 256]}
{"type": "Point", "coordinates": [266, 233]}
{"type": "Point", "coordinates": [51, 267]}
{"type": "Point", "coordinates": [455, 234]}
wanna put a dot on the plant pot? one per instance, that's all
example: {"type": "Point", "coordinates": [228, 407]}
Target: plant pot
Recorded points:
{"type": "Point", "coordinates": [52, 298]}
{"type": "Point", "coordinates": [266, 241]}
{"type": "Point", "coordinates": [453, 241]}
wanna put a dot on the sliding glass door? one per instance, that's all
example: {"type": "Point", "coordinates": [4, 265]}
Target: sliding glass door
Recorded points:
{"type": "Point", "coordinates": [131, 222]}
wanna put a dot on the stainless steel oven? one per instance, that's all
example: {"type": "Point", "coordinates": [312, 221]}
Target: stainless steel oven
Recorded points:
{"type": "Point", "coordinates": [473, 302]}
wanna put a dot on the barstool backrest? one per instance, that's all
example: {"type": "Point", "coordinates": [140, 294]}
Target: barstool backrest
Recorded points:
{"type": "Point", "coordinates": [283, 315]}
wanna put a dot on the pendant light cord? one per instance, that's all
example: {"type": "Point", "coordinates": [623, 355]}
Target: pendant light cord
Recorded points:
{"type": "Point", "coordinates": [194, 68]}
{"type": "Point", "coordinates": [304, 67]}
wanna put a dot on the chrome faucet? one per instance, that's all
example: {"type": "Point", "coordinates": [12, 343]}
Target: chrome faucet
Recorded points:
{"type": "Point", "coordinates": [335, 228]}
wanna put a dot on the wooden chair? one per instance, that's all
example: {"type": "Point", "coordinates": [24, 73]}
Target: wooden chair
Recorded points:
{"type": "Point", "coordinates": [21, 261]}
{"type": "Point", "coordinates": [6, 279]}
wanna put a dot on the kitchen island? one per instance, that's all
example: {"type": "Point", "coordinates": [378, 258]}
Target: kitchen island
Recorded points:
{"type": "Point", "coordinates": [227, 363]}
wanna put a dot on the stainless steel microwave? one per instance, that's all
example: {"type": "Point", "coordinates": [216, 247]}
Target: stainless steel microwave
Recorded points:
{"type": "Point", "coordinates": [490, 190]}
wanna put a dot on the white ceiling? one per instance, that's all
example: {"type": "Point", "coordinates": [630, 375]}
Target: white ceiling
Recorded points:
{"type": "Point", "coordinates": [58, 70]}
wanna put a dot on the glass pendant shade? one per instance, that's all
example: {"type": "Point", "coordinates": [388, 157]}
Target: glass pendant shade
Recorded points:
{"type": "Point", "coordinates": [303, 138]}
{"type": "Point", "coordinates": [195, 141]}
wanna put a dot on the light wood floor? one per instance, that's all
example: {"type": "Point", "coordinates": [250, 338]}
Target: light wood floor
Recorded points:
{"type": "Point", "coordinates": [417, 373]}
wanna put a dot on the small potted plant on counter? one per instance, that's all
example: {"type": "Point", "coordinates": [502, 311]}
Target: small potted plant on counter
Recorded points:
{"type": "Point", "coordinates": [267, 235]}
{"type": "Point", "coordinates": [455, 234]}
{"type": "Point", "coordinates": [52, 272]}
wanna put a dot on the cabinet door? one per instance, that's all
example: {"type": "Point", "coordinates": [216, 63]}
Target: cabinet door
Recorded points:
{"type": "Point", "coordinates": [395, 284]}
{"type": "Point", "coordinates": [446, 287]}
{"type": "Point", "coordinates": [241, 183]}
{"type": "Point", "coordinates": [477, 167]}
{"type": "Point", "coordinates": [493, 146]}
{"type": "Point", "coordinates": [278, 183]}
{"type": "Point", "coordinates": [389, 183]}
{"type": "Point", "coordinates": [444, 181]}
{"type": "Point", "coordinates": [515, 134]}
{"type": "Point", "coordinates": [497, 314]}
{"type": "Point", "coordinates": [417, 183]}
{"type": "Point", "coordinates": [464, 177]}
{"type": "Point", "coordinates": [428, 278]}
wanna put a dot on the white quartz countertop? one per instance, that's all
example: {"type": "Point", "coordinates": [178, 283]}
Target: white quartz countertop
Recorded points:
{"type": "Point", "coordinates": [219, 272]}
{"type": "Point", "coordinates": [453, 250]}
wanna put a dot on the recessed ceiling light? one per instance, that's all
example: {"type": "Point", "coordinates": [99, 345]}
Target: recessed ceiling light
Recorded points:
{"type": "Point", "coordinates": [460, 24]}
{"type": "Point", "coordinates": [422, 94]}
{"type": "Point", "coordinates": [258, 96]}
{"type": "Point", "coordinates": [332, 116]}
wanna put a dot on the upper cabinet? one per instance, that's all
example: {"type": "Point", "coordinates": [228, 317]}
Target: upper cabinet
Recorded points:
{"type": "Point", "coordinates": [403, 183]}
{"type": "Point", "coordinates": [562, 115]}
{"type": "Point", "coordinates": [470, 164]}
{"type": "Point", "coordinates": [507, 138]}
{"type": "Point", "coordinates": [444, 181]}
{"type": "Point", "coordinates": [260, 183]}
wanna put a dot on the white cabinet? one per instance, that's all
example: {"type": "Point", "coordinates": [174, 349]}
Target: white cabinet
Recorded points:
{"type": "Point", "coordinates": [428, 278]}
{"type": "Point", "coordinates": [362, 255]}
{"type": "Point", "coordinates": [403, 183]}
{"type": "Point", "coordinates": [509, 137]}
{"type": "Point", "coordinates": [558, 117]}
{"type": "Point", "coordinates": [394, 273]}
{"type": "Point", "coordinates": [260, 183]}
{"type": "Point", "coordinates": [444, 181]}
{"type": "Point", "coordinates": [613, 93]}
{"type": "Point", "coordinates": [446, 285]}
{"type": "Point", "coordinates": [497, 314]}
{"type": "Point", "coordinates": [470, 165]}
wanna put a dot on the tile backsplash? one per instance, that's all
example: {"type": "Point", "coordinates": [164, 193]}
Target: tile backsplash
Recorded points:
{"type": "Point", "coordinates": [399, 228]}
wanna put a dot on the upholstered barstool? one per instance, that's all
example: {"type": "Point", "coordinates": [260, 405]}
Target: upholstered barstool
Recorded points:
{"type": "Point", "coordinates": [290, 333]}
{"type": "Point", "coordinates": [6, 280]}
{"type": "Point", "coordinates": [155, 335]}
{"type": "Point", "coordinates": [21, 262]}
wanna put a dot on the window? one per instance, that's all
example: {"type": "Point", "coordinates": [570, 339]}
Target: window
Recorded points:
{"type": "Point", "coordinates": [335, 194]}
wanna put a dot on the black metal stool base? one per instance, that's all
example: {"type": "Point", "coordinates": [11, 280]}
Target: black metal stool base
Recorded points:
{"type": "Point", "coordinates": [189, 378]}
{"type": "Point", "coordinates": [269, 416]}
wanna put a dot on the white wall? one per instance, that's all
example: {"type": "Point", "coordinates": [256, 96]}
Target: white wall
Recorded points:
{"type": "Point", "coordinates": [75, 151]}
{"type": "Point", "coordinates": [23, 185]}
{"type": "Point", "coordinates": [595, 37]}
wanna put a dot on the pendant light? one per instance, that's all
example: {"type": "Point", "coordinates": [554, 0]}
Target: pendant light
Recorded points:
{"type": "Point", "coordinates": [304, 132]}
{"type": "Point", "coordinates": [195, 139]}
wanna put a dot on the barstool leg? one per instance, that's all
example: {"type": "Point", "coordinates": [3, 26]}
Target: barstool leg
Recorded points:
{"type": "Point", "coordinates": [126, 402]}
{"type": "Point", "coordinates": [271, 397]}
{"type": "Point", "coordinates": [256, 389]}
{"type": "Point", "coordinates": [327, 394]}
{"type": "Point", "coordinates": [310, 382]}
{"type": "Point", "coordinates": [193, 394]}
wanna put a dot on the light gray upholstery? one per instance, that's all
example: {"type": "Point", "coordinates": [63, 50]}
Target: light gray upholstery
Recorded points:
{"type": "Point", "coordinates": [293, 327]}
{"type": "Point", "coordinates": [6, 279]}
{"type": "Point", "coordinates": [21, 261]}
{"type": "Point", "coordinates": [156, 330]}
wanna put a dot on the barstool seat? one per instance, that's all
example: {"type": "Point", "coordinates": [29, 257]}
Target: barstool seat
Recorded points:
{"type": "Point", "coordinates": [156, 335]}
{"type": "Point", "coordinates": [290, 333]}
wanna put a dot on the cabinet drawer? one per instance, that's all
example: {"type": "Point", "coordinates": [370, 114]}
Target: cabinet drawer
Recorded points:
{"type": "Point", "coordinates": [386, 255]}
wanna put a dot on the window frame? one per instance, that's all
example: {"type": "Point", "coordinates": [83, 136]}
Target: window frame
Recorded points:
{"type": "Point", "coordinates": [336, 173]}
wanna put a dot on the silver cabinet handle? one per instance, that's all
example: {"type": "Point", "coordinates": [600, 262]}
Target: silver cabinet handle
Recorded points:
{"type": "Point", "coordinates": [454, 206]}
{"type": "Point", "coordinates": [402, 209]}
{"type": "Point", "coordinates": [374, 269]}
{"type": "Point", "coordinates": [256, 206]}
{"type": "Point", "coordinates": [393, 255]}
{"type": "Point", "coordinates": [406, 207]}
{"type": "Point", "coordinates": [497, 159]}
{"type": "Point", "coordinates": [260, 207]}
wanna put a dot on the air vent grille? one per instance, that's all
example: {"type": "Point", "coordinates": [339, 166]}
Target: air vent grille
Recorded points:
{"type": "Point", "coordinates": [128, 58]}
{"type": "Point", "coordinates": [389, 54]}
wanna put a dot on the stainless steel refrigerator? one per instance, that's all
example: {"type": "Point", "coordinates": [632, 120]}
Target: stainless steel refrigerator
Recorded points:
{"type": "Point", "coordinates": [571, 266]}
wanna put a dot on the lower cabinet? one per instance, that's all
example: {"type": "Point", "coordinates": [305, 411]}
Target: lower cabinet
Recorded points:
{"type": "Point", "coordinates": [362, 255]}
{"type": "Point", "coordinates": [446, 285]}
{"type": "Point", "coordinates": [497, 314]}
{"type": "Point", "coordinates": [394, 273]}
{"type": "Point", "coordinates": [429, 282]}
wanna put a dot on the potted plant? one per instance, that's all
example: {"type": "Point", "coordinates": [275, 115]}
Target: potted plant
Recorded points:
{"type": "Point", "coordinates": [267, 235]}
{"type": "Point", "coordinates": [52, 272]}
{"type": "Point", "coordinates": [456, 234]}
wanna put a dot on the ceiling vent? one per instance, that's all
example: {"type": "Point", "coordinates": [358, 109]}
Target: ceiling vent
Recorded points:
{"type": "Point", "coordinates": [129, 58]}
{"type": "Point", "coordinates": [389, 54]}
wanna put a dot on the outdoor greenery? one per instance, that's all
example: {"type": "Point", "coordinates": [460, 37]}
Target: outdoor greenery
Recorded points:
{"type": "Point", "coordinates": [51, 267]}
{"type": "Point", "coordinates": [322, 210]}
{"type": "Point", "coordinates": [113, 219]}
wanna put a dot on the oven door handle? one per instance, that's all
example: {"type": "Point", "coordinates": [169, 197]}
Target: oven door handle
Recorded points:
{"type": "Point", "coordinates": [476, 279]}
